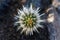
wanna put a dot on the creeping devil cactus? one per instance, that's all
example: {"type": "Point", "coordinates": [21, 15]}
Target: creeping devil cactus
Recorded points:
{"type": "Point", "coordinates": [29, 20]}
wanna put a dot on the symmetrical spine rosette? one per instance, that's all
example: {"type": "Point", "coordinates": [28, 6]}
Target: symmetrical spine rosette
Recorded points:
{"type": "Point", "coordinates": [29, 20]}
